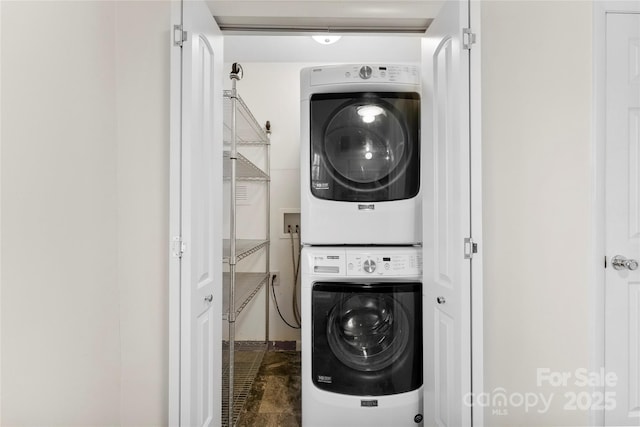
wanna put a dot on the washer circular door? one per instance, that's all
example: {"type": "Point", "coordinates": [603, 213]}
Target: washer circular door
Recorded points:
{"type": "Point", "coordinates": [367, 338]}
{"type": "Point", "coordinates": [365, 146]}
{"type": "Point", "coordinates": [368, 332]}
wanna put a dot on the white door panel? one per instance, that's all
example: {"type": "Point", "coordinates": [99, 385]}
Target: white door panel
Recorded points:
{"type": "Point", "coordinates": [444, 370]}
{"type": "Point", "coordinates": [201, 219]}
{"type": "Point", "coordinates": [446, 218]}
{"type": "Point", "coordinates": [622, 299]}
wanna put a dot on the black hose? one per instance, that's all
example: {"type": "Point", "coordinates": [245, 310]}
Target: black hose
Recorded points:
{"type": "Point", "coordinates": [275, 299]}
{"type": "Point", "coordinates": [296, 307]}
{"type": "Point", "coordinates": [296, 269]}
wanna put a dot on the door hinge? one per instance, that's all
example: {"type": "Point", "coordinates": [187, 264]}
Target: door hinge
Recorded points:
{"type": "Point", "coordinates": [179, 35]}
{"type": "Point", "coordinates": [605, 261]}
{"type": "Point", "coordinates": [470, 248]}
{"type": "Point", "coordinates": [468, 38]}
{"type": "Point", "coordinates": [177, 247]}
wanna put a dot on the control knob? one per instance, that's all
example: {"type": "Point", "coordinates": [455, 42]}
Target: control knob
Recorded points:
{"type": "Point", "coordinates": [365, 72]}
{"type": "Point", "coordinates": [369, 266]}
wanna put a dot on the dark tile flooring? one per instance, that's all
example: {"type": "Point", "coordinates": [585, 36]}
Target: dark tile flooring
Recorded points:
{"type": "Point", "coordinates": [274, 399]}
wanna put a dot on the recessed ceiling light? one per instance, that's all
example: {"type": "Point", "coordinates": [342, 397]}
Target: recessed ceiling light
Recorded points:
{"type": "Point", "coordinates": [326, 39]}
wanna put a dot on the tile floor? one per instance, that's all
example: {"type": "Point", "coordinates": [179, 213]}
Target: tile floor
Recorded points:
{"type": "Point", "coordinates": [274, 399]}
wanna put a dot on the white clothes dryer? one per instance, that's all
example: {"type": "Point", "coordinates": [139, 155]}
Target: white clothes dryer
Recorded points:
{"type": "Point", "coordinates": [362, 337]}
{"type": "Point", "coordinates": [360, 155]}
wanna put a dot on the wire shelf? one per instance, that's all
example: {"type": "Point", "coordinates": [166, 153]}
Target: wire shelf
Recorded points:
{"type": "Point", "coordinates": [244, 248]}
{"type": "Point", "coordinates": [245, 169]}
{"type": "Point", "coordinates": [247, 286]}
{"type": "Point", "coordinates": [248, 131]}
{"type": "Point", "coordinates": [248, 357]}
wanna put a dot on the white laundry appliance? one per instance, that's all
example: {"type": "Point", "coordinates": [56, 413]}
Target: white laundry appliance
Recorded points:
{"type": "Point", "coordinates": [362, 337]}
{"type": "Point", "coordinates": [360, 155]}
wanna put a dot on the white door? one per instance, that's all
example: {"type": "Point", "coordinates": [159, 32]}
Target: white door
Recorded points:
{"type": "Point", "coordinates": [199, 196]}
{"type": "Point", "coordinates": [446, 219]}
{"type": "Point", "coordinates": [622, 284]}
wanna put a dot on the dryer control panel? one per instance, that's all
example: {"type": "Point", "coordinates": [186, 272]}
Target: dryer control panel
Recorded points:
{"type": "Point", "coordinates": [365, 73]}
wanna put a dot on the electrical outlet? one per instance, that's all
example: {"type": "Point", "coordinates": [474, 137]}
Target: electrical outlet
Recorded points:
{"type": "Point", "coordinates": [276, 279]}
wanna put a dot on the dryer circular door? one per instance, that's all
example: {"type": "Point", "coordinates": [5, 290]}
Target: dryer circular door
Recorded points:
{"type": "Point", "coordinates": [367, 337]}
{"type": "Point", "coordinates": [365, 147]}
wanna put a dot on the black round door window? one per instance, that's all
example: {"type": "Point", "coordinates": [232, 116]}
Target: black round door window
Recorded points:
{"type": "Point", "coordinates": [364, 142]}
{"type": "Point", "coordinates": [368, 332]}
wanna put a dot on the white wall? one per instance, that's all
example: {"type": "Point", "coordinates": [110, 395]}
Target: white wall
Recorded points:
{"type": "Point", "coordinates": [60, 300]}
{"type": "Point", "coordinates": [142, 112]}
{"type": "Point", "coordinates": [536, 118]}
{"type": "Point", "coordinates": [84, 201]}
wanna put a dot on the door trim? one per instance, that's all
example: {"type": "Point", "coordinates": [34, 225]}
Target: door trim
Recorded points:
{"type": "Point", "coordinates": [475, 154]}
{"type": "Point", "coordinates": [598, 144]}
{"type": "Point", "coordinates": [175, 184]}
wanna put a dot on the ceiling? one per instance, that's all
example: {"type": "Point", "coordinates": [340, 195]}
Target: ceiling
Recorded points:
{"type": "Point", "coordinates": [304, 16]}
{"type": "Point", "coordinates": [371, 49]}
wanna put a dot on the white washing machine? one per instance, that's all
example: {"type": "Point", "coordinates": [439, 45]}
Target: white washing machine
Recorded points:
{"type": "Point", "coordinates": [360, 155]}
{"type": "Point", "coordinates": [362, 337]}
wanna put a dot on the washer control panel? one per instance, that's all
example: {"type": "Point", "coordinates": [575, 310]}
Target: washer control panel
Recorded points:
{"type": "Point", "coordinates": [392, 263]}
{"type": "Point", "coordinates": [363, 262]}
{"type": "Point", "coordinates": [365, 73]}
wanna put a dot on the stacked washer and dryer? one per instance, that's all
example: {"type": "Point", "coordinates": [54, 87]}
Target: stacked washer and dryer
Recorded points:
{"type": "Point", "coordinates": [361, 257]}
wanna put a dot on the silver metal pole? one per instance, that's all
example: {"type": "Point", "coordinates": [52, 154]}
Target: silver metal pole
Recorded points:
{"type": "Point", "coordinates": [236, 74]}
{"type": "Point", "coordinates": [268, 232]}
